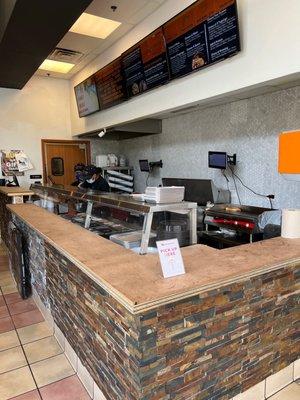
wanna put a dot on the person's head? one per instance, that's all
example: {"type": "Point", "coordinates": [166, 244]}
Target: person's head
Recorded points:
{"type": "Point", "coordinates": [97, 173]}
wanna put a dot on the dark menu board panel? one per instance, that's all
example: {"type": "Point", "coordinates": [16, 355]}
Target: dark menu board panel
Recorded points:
{"type": "Point", "coordinates": [145, 65]}
{"type": "Point", "coordinates": [204, 33]}
{"type": "Point", "coordinates": [109, 81]}
{"type": "Point", "coordinates": [133, 71]}
{"type": "Point", "coordinates": [154, 58]}
{"type": "Point", "coordinates": [223, 32]}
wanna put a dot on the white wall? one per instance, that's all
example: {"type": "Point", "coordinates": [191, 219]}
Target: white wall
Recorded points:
{"type": "Point", "coordinates": [270, 34]}
{"type": "Point", "coordinates": [40, 110]}
{"type": "Point", "coordinates": [248, 127]}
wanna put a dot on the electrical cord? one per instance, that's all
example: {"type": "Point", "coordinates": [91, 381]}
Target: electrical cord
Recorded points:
{"type": "Point", "coordinates": [234, 175]}
{"type": "Point", "coordinates": [147, 180]}
{"type": "Point", "coordinates": [235, 185]}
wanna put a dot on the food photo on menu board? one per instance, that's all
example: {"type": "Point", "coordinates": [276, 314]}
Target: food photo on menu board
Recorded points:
{"type": "Point", "coordinates": [87, 97]}
{"type": "Point", "coordinates": [110, 84]}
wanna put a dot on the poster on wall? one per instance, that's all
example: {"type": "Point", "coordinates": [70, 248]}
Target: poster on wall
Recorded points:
{"type": "Point", "coordinates": [87, 97]}
{"type": "Point", "coordinates": [14, 162]}
{"type": "Point", "coordinates": [109, 83]}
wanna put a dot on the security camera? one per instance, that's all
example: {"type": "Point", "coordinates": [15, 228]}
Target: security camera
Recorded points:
{"type": "Point", "coordinates": [102, 133]}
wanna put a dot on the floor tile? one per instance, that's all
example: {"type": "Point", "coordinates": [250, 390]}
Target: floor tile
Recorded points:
{"type": "Point", "coordinates": [22, 306]}
{"type": "Point", "coordinates": [291, 392]}
{"type": "Point", "coordinates": [42, 349]}
{"type": "Point", "coordinates": [4, 312]}
{"type": "Point", "coordinates": [12, 298]}
{"type": "Point", "coordinates": [51, 370]}
{"type": "Point", "coordinates": [34, 332]}
{"type": "Point", "coordinates": [9, 340]}
{"type": "Point", "coordinates": [2, 301]}
{"type": "Point", "coordinates": [6, 279]}
{"type": "Point", "coordinates": [4, 267]}
{"type": "Point", "coordinates": [27, 318]}
{"type": "Point", "coordinates": [33, 395]}
{"type": "Point", "coordinates": [16, 382]}
{"type": "Point", "coordinates": [66, 389]}
{"type": "Point", "coordinates": [9, 289]}
{"type": "Point", "coordinates": [6, 324]}
{"type": "Point", "coordinates": [12, 359]}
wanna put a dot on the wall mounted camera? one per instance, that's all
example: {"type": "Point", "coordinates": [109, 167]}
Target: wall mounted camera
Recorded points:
{"type": "Point", "coordinates": [102, 133]}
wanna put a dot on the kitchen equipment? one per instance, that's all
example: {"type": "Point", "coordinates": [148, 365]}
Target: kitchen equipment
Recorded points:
{"type": "Point", "coordinates": [174, 229]}
{"type": "Point", "coordinates": [129, 240]}
{"type": "Point", "coordinates": [101, 160]}
{"type": "Point", "coordinates": [172, 194]}
{"type": "Point", "coordinates": [112, 160]}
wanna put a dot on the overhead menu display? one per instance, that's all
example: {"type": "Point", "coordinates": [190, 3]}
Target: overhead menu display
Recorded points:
{"type": "Point", "coordinates": [109, 82]}
{"type": "Point", "coordinates": [154, 58]}
{"type": "Point", "coordinates": [133, 71]}
{"type": "Point", "coordinates": [145, 65]}
{"type": "Point", "coordinates": [223, 33]}
{"type": "Point", "coordinates": [86, 97]}
{"type": "Point", "coordinates": [204, 33]}
{"type": "Point", "coordinates": [186, 39]}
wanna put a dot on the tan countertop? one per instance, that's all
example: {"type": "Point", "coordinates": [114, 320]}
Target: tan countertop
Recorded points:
{"type": "Point", "coordinates": [15, 191]}
{"type": "Point", "coordinates": [136, 281]}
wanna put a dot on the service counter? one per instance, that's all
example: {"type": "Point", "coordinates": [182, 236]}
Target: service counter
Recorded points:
{"type": "Point", "coordinates": [10, 195]}
{"type": "Point", "coordinates": [224, 326]}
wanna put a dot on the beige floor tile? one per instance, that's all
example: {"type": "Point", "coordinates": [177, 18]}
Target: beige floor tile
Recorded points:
{"type": "Point", "coordinates": [51, 370]}
{"type": "Point", "coordinates": [15, 383]}
{"type": "Point", "coordinates": [12, 359]}
{"type": "Point", "coordinates": [9, 340]}
{"type": "Point", "coordinates": [42, 349]}
{"type": "Point", "coordinates": [278, 381]}
{"type": "Point", "coordinates": [34, 332]}
{"type": "Point", "coordinates": [291, 392]}
{"type": "Point", "coordinates": [9, 289]}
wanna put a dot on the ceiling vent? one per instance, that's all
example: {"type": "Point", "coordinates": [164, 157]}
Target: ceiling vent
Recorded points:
{"type": "Point", "coordinates": [66, 55]}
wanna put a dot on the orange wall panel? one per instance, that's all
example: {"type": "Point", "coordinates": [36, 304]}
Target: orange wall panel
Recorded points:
{"type": "Point", "coordinates": [289, 153]}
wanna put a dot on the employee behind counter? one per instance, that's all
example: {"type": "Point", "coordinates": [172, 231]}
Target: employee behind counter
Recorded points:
{"type": "Point", "coordinates": [94, 182]}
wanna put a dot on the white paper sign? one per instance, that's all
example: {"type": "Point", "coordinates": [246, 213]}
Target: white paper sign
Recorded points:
{"type": "Point", "coordinates": [170, 258]}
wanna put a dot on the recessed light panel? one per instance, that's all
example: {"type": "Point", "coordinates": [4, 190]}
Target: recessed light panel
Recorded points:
{"type": "Point", "coordinates": [91, 25]}
{"type": "Point", "coordinates": [56, 66]}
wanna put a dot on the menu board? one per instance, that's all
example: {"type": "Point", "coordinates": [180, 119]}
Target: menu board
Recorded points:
{"type": "Point", "coordinates": [223, 32]}
{"type": "Point", "coordinates": [145, 65]}
{"type": "Point", "coordinates": [202, 34]}
{"type": "Point", "coordinates": [109, 82]}
{"type": "Point", "coordinates": [154, 58]}
{"type": "Point", "coordinates": [86, 97]}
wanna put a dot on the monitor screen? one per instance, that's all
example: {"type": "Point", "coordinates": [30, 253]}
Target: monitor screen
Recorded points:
{"type": "Point", "coordinates": [144, 165]}
{"type": "Point", "coordinates": [217, 159]}
{"type": "Point", "coordinates": [87, 97]}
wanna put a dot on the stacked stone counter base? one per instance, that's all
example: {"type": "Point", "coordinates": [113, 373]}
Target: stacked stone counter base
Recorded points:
{"type": "Point", "coordinates": [210, 346]}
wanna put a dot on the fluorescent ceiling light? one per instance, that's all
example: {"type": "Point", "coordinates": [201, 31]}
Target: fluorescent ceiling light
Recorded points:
{"type": "Point", "coordinates": [56, 66]}
{"type": "Point", "coordinates": [91, 25]}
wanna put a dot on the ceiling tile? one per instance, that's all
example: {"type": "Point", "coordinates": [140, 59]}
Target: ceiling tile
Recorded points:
{"type": "Point", "coordinates": [84, 44]}
{"type": "Point", "coordinates": [125, 9]}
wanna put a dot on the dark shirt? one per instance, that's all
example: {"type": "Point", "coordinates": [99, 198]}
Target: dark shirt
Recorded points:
{"type": "Point", "coordinates": [100, 184]}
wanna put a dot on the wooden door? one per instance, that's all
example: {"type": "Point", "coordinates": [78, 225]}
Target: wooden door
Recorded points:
{"type": "Point", "coordinates": [60, 157]}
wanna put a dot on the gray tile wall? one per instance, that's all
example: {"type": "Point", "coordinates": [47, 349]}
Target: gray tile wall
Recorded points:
{"type": "Point", "coordinates": [248, 127]}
